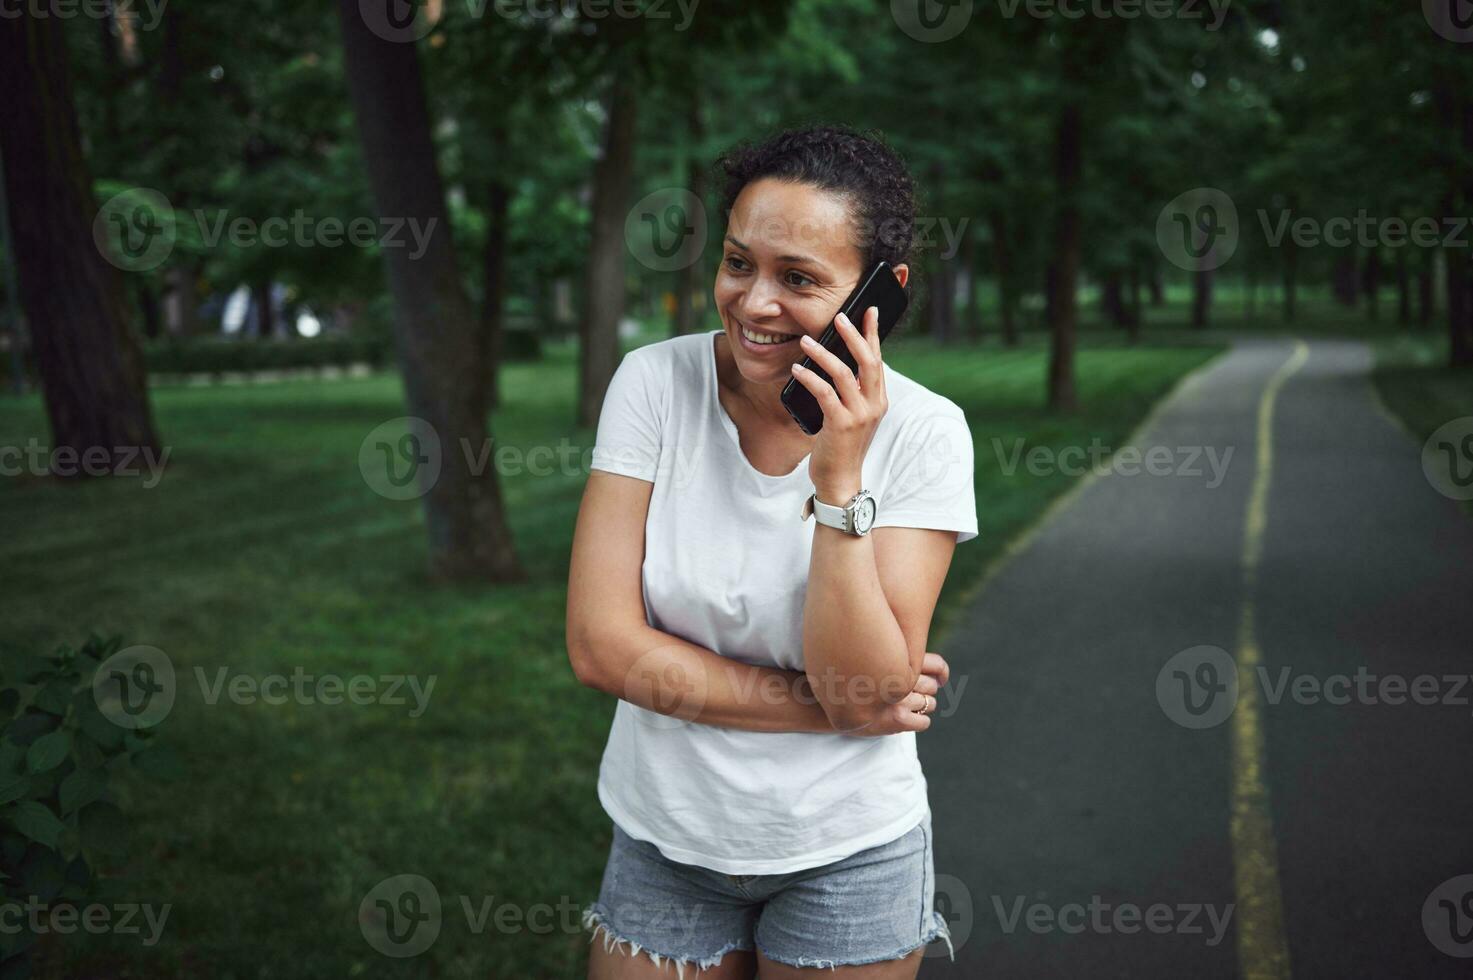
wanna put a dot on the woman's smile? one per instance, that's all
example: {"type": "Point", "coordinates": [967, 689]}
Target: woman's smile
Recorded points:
{"type": "Point", "coordinates": [764, 342]}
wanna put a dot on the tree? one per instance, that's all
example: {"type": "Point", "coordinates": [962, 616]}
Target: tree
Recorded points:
{"type": "Point", "coordinates": [598, 333]}
{"type": "Point", "coordinates": [1063, 289]}
{"type": "Point", "coordinates": [91, 370]}
{"type": "Point", "coordinates": [439, 340]}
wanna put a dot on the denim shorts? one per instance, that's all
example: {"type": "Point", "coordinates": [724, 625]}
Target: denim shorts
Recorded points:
{"type": "Point", "coordinates": [872, 906]}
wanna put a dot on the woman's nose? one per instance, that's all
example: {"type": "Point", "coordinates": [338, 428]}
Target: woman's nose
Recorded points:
{"type": "Point", "coordinates": [760, 301]}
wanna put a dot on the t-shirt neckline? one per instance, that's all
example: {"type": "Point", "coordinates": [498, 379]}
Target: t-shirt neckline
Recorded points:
{"type": "Point", "coordinates": [725, 420]}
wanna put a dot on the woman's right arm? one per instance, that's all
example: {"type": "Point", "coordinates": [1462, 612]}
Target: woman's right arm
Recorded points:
{"type": "Point", "coordinates": [613, 649]}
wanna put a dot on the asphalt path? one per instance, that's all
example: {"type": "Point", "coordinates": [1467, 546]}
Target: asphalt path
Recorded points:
{"type": "Point", "coordinates": [1102, 809]}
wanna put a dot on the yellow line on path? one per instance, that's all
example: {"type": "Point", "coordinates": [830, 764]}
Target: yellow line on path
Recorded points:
{"type": "Point", "coordinates": [1263, 949]}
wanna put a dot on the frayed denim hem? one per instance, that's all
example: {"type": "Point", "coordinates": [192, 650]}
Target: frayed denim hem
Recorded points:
{"type": "Point", "coordinates": [939, 930]}
{"type": "Point", "coordinates": [593, 920]}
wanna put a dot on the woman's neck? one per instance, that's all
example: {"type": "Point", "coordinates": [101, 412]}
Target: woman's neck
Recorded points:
{"type": "Point", "coordinates": [764, 400]}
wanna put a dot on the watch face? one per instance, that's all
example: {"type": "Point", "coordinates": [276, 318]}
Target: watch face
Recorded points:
{"type": "Point", "coordinates": [864, 515]}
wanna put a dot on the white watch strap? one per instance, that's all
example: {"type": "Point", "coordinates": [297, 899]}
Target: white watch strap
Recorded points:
{"type": "Point", "coordinates": [830, 515]}
{"type": "Point", "coordinates": [834, 517]}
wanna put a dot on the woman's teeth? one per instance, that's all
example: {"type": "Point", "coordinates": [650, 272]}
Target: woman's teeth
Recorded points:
{"type": "Point", "coordinates": [766, 338]}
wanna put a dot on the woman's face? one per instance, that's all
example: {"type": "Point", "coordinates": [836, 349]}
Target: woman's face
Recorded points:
{"type": "Point", "coordinates": [789, 259]}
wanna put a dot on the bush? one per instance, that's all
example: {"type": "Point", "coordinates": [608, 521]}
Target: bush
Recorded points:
{"type": "Point", "coordinates": [58, 751]}
{"type": "Point", "coordinates": [214, 356]}
{"type": "Point", "coordinates": [520, 345]}
{"type": "Point", "coordinates": [217, 355]}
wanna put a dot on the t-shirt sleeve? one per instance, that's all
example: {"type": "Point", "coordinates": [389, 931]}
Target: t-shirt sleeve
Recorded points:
{"type": "Point", "coordinates": [631, 419]}
{"type": "Point", "coordinates": [930, 475]}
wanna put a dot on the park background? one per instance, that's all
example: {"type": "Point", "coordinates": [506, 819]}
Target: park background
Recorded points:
{"type": "Point", "coordinates": [563, 152]}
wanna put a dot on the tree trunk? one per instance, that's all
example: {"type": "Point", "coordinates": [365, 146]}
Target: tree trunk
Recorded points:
{"type": "Point", "coordinates": [112, 76]}
{"type": "Point", "coordinates": [180, 315]}
{"type": "Point", "coordinates": [440, 346]}
{"type": "Point", "coordinates": [1426, 291]}
{"type": "Point", "coordinates": [493, 273]}
{"type": "Point", "coordinates": [1291, 282]}
{"type": "Point", "coordinates": [941, 307]}
{"type": "Point", "coordinates": [264, 308]}
{"type": "Point", "coordinates": [1002, 264]}
{"type": "Point", "coordinates": [1371, 283]}
{"type": "Point", "coordinates": [1201, 298]}
{"type": "Point", "coordinates": [603, 301]}
{"type": "Point", "coordinates": [973, 310]}
{"type": "Point", "coordinates": [1343, 280]}
{"type": "Point", "coordinates": [1137, 313]}
{"type": "Point", "coordinates": [1460, 333]}
{"type": "Point", "coordinates": [1112, 299]}
{"type": "Point", "coordinates": [1459, 293]}
{"type": "Point", "coordinates": [941, 299]}
{"type": "Point", "coordinates": [687, 278]}
{"type": "Point", "coordinates": [91, 370]}
{"type": "Point", "coordinates": [1403, 289]}
{"type": "Point", "coordinates": [148, 308]}
{"type": "Point", "coordinates": [1068, 159]}
{"type": "Point", "coordinates": [1050, 288]}
{"type": "Point", "coordinates": [179, 277]}
{"type": "Point", "coordinates": [1158, 287]}
{"type": "Point", "coordinates": [15, 320]}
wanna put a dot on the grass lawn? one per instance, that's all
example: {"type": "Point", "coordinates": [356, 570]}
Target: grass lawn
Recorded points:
{"type": "Point", "coordinates": [1415, 382]}
{"type": "Point", "coordinates": [264, 552]}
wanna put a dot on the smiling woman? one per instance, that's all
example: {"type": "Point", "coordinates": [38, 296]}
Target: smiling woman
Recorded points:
{"type": "Point", "coordinates": [769, 808]}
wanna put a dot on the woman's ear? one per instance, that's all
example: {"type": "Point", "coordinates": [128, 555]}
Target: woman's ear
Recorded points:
{"type": "Point", "coordinates": [902, 272]}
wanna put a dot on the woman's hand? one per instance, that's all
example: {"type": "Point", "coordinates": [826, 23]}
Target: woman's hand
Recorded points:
{"type": "Point", "coordinates": [852, 408]}
{"type": "Point", "coordinates": [911, 713]}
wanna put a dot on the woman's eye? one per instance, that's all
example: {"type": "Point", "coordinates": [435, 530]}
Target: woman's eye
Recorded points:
{"type": "Point", "coordinates": [735, 263]}
{"type": "Point", "coordinates": [799, 279]}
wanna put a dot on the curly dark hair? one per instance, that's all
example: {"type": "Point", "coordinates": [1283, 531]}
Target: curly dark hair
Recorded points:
{"type": "Point", "coordinates": [859, 165]}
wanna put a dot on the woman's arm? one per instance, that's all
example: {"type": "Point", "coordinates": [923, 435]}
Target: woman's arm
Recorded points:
{"type": "Point", "coordinates": [868, 613]}
{"type": "Point", "coordinates": [870, 598]}
{"type": "Point", "coordinates": [613, 649]}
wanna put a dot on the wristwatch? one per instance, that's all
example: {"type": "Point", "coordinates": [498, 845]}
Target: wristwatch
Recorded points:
{"type": "Point", "coordinates": [856, 517]}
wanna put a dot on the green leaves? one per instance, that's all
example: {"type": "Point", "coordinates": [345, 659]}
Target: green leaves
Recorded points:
{"type": "Point", "coordinates": [54, 697]}
{"type": "Point", "coordinates": [48, 751]}
{"type": "Point", "coordinates": [56, 749]}
{"type": "Point", "coordinates": [13, 786]}
{"type": "Point", "coordinates": [37, 822]}
{"type": "Point", "coordinates": [83, 786]}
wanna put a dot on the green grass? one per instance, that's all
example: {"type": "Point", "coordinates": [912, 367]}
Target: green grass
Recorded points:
{"type": "Point", "coordinates": [264, 551]}
{"type": "Point", "coordinates": [1419, 388]}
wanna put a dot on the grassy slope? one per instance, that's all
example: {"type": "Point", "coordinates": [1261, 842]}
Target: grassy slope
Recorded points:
{"type": "Point", "coordinates": [1415, 382]}
{"type": "Point", "coordinates": [264, 551]}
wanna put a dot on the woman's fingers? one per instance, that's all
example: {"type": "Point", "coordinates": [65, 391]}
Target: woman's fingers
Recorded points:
{"type": "Point", "coordinates": [927, 684]}
{"type": "Point", "coordinates": [823, 392]}
{"type": "Point", "coordinates": [907, 716]}
{"type": "Point", "coordinates": [919, 702]}
{"type": "Point", "coordinates": [865, 347]}
{"type": "Point", "coordinates": [844, 380]}
{"type": "Point", "coordinates": [911, 713]}
{"type": "Point", "coordinates": [871, 374]}
{"type": "Point", "coordinates": [936, 665]}
{"type": "Point", "coordinates": [872, 329]}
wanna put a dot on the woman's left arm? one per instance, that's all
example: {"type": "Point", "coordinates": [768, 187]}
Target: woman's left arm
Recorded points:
{"type": "Point", "coordinates": [867, 616]}
{"type": "Point", "coordinates": [870, 598]}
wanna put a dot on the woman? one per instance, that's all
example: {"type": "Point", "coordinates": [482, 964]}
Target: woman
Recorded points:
{"type": "Point", "coordinates": [769, 810]}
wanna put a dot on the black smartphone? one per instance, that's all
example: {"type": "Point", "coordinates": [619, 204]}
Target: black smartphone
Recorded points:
{"type": "Point", "coordinates": [879, 288]}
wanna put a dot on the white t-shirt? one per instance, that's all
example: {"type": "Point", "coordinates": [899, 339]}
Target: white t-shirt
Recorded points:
{"type": "Point", "coordinates": [726, 567]}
